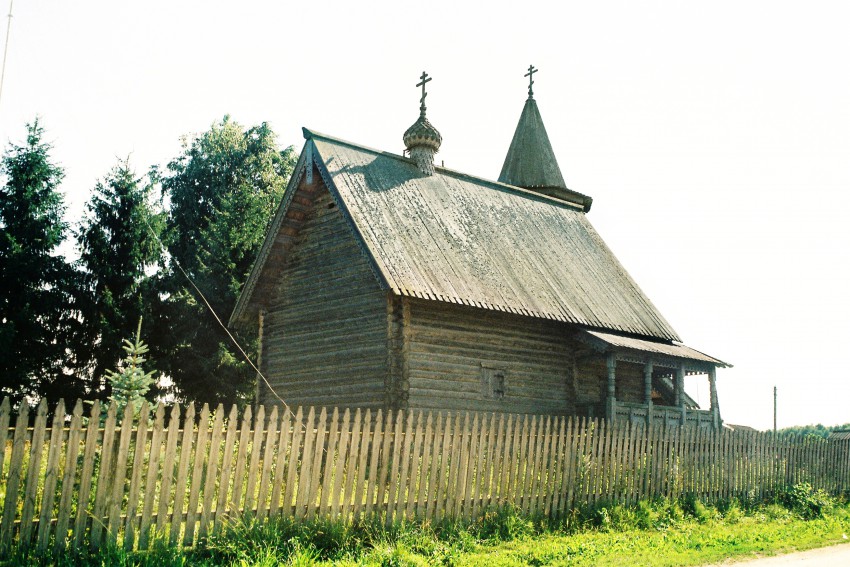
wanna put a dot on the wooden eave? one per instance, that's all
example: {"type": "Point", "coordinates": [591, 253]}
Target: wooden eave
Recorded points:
{"type": "Point", "coordinates": [641, 349]}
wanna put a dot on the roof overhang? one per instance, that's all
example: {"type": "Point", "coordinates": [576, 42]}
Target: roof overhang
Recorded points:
{"type": "Point", "coordinates": [642, 350]}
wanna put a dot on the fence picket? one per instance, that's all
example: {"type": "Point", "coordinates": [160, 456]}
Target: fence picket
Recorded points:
{"type": "Point", "coordinates": [182, 455]}
{"type": "Point", "coordinates": [197, 467]}
{"type": "Point", "coordinates": [366, 446]}
{"type": "Point", "coordinates": [298, 430]}
{"type": "Point", "coordinates": [254, 464]}
{"type": "Point", "coordinates": [416, 473]}
{"type": "Point", "coordinates": [33, 472]}
{"type": "Point", "coordinates": [398, 434]}
{"type": "Point", "coordinates": [355, 445]}
{"type": "Point", "coordinates": [330, 455]}
{"type": "Point", "coordinates": [268, 456]}
{"type": "Point", "coordinates": [425, 475]}
{"type": "Point", "coordinates": [116, 496]}
{"type": "Point", "coordinates": [304, 471]}
{"type": "Point", "coordinates": [135, 479]}
{"type": "Point", "coordinates": [5, 415]}
{"type": "Point", "coordinates": [16, 460]}
{"type": "Point", "coordinates": [284, 442]}
{"type": "Point", "coordinates": [241, 462]}
{"type": "Point", "coordinates": [479, 473]}
{"type": "Point", "coordinates": [226, 467]}
{"type": "Point", "coordinates": [71, 452]}
{"type": "Point", "coordinates": [378, 464]}
{"type": "Point", "coordinates": [315, 478]}
{"type": "Point", "coordinates": [150, 479]}
{"type": "Point", "coordinates": [505, 461]}
{"type": "Point", "coordinates": [168, 470]}
{"type": "Point", "coordinates": [442, 484]}
{"type": "Point", "coordinates": [431, 509]}
{"type": "Point", "coordinates": [337, 490]}
{"type": "Point", "coordinates": [486, 493]}
{"type": "Point", "coordinates": [51, 472]}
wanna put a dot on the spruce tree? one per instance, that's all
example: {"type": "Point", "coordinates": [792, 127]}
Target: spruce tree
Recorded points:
{"type": "Point", "coordinates": [130, 383]}
{"type": "Point", "coordinates": [37, 304]}
{"type": "Point", "coordinates": [119, 251]}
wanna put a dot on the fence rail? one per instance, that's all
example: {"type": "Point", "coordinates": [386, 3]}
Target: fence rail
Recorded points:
{"type": "Point", "coordinates": [88, 479]}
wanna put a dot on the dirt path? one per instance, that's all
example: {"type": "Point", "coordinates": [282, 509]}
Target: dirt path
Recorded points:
{"type": "Point", "coordinates": [833, 556]}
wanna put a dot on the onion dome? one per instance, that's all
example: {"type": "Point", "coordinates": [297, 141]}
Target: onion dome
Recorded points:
{"type": "Point", "coordinates": [422, 140]}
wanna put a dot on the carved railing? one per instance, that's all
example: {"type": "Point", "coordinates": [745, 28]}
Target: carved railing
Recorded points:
{"type": "Point", "coordinates": [662, 415]}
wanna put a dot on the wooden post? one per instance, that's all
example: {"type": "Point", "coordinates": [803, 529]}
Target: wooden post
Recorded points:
{"type": "Point", "coordinates": [647, 390]}
{"type": "Point", "coordinates": [612, 389]}
{"type": "Point", "coordinates": [680, 390]}
{"type": "Point", "coordinates": [715, 407]}
{"type": "Point", "coordinates": [261, 319]}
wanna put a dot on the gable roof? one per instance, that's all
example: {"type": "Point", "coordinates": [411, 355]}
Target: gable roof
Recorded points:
{"type": "Point", "coordinates": [457, 238]}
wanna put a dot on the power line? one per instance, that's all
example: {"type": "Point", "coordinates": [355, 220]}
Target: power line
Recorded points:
{"type": "Point", "coordinates": [218, 319]}
{"type": "Point", "coordinates": [6, 48]}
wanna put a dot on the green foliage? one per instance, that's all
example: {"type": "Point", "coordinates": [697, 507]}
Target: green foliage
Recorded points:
{"type": "Point", "coordinates": [818, 430]}
{"type": "Point", "coordinates": [131, 383]}
{"type": "Point", "coordinates": [671, 536]}
{"type": "Point", "coordinates": [118, 248]}
{"type": "Point", "coordinates": [504, 523]}
{"type": "Point", "coordinates": [223, 191]}
{"type": "Point", "coordinates": [37, 306]}
{"type": "Point", "coordinates": [807, 502]}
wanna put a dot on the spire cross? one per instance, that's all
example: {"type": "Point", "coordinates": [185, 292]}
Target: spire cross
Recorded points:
{"type": "Point", "coordinates": [425, 78]}
{"type": "Point", "coordinates": [531, 71]}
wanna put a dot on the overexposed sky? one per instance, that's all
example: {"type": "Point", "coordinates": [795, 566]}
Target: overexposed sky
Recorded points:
{"type": "Point", "coordinates": [713, 136]}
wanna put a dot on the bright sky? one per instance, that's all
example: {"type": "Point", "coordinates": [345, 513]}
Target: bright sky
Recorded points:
{"type": "Point", "coordinates": [713, 136]}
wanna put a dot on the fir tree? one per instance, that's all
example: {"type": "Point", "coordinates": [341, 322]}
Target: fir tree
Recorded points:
{"type": "Point", "coordinates": [37, 306]}
{"type": "Point", "coordinates": [130, 383]}
{"type": "Point", "coordinates": [119, 249]}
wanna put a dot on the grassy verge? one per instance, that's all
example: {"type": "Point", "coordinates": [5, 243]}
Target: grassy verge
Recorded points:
{"type": "Point", "coordinates": [657, 534]}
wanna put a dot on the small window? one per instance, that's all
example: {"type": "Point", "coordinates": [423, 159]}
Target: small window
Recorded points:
{"type": "Point", "coordinates": [493, 382]}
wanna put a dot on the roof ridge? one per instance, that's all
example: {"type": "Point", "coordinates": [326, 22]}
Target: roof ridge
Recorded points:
{"type": "Point", "coordinates": [535, 195]}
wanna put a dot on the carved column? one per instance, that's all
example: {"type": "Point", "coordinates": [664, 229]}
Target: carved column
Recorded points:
{"type": "Point", "coordinates": [612, 387]}
{"type": "Point", "coordinates": [647, 390]}
{"type": "Point", "coordinates": [680, 390]}
{"type": "Point", "coordinates": [715, 406]}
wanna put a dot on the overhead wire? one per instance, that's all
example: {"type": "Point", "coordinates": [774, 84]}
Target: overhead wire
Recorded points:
{"type": "Point", "coordinates": [218, 319]}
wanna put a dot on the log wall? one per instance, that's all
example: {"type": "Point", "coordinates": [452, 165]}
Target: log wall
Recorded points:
{"type": "Point", "coordinates": [325, 332]}
{"type": "Point", "coordinates": [452, 350]}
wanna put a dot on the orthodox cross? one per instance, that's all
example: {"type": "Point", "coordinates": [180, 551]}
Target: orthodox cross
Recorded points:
{"type": "Point", "coordinates": [531, 71]}
{"type": "Point", "coordinates": [425, 78]}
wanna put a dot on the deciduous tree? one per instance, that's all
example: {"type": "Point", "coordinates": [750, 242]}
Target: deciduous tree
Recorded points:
{"type": "Point", "coordinates": [223, 190]}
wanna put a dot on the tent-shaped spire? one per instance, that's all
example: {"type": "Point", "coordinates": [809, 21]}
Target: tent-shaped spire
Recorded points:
{"type": "Point", "coordinates": [531, 162]}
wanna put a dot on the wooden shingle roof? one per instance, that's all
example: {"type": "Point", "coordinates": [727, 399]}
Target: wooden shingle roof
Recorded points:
{"type": "Point", "coordinates": [457, 238]}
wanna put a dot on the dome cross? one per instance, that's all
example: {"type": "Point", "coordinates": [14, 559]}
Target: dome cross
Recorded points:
{"type": "Point", "coordinates": [531, 71]}
{"type": "Point", "coordinates": [425, 78]}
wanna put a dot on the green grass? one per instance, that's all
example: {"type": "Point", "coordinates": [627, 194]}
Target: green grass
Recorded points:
{"type": "Point", "coordinates": [654, 534]}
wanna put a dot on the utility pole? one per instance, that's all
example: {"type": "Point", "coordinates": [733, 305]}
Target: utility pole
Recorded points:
{"type": "Point", "coordinates": [6, 48]}
{"type": "Point", "coordinates": [774, 409]}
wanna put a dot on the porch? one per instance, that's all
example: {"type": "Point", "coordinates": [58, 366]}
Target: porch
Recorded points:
{"type": "Point", "coordinates": [663, 366]}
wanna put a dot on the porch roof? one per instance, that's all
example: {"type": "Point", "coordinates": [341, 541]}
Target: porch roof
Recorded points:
{"type": "Point", "coordinates": [669, 349]}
